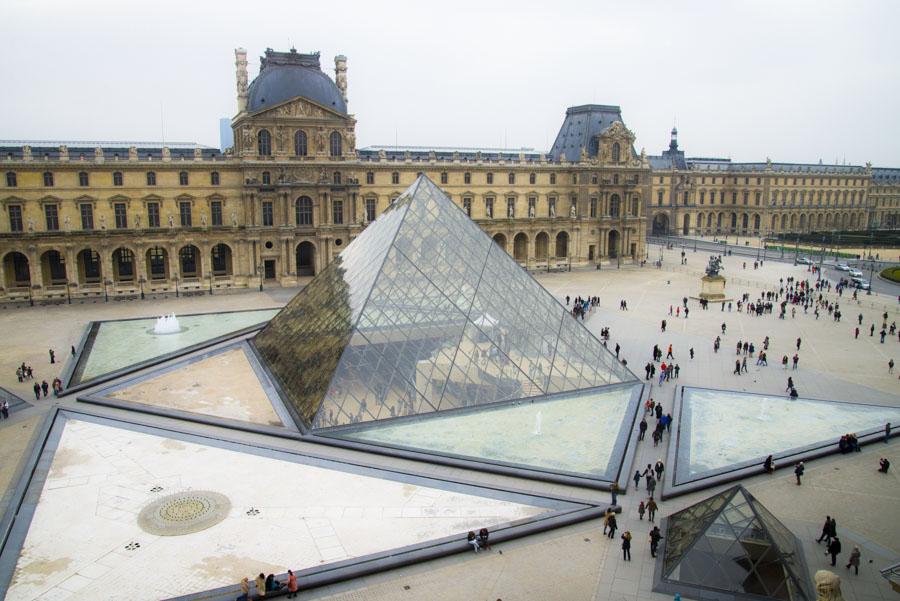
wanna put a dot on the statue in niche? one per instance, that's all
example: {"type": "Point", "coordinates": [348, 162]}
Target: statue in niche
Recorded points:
{"type": "Point", "coordinates": [234, 218]}
{"type": "Point", "coordinates": [30, 224]}
{"type": "Point", "coordinates": [351, 140]}
{"type": "Point", "coordinates": [171, 220]}
{"type": "Point", "coordinates": [552, 208]}
{"type": "Point", "coordinates": [572, 211]}
{"type": "Point", "coordinates": [137, 221]}
{"type": "Point", "coordinates": [246, 138]}
{"type": "Point", "coordinates": [320, 139]}
{"type": "Point", "coordinates": [203, 219]}
{"type": "Point", "coordinates": [68, 223]}
{"type": "Point", "coordinates": [531, 211]}
{"type": "Point", "coordinates": [280, 137]}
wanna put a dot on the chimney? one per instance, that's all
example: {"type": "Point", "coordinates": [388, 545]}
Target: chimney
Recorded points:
{"type": "Point", "coordinates": [240, 65]}
{"type": "Point", "coordinates": [340, 74]}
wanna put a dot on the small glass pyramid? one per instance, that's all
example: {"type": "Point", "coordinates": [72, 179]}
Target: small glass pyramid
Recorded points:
{"type": "Point", "coordinates": [422, 313]}
{"type": "Point", "coordinates": [731, 543]}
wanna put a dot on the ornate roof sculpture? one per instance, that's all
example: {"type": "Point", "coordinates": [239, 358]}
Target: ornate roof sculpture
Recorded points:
{"type": "Point", "coordinates": [730, 543]}
{"type": "Point", "coordinates": [423, 313]}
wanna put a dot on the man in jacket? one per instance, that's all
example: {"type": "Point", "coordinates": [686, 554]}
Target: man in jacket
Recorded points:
{"type": "Point", "coordinates": [834, 549]}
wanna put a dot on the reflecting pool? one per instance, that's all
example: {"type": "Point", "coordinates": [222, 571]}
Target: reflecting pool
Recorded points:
{"type": "Point", "coordinates": [721, 430]}
{"type": "Point", "coordinates": [583, 433]}
{"type": "Point", "coordinates": [117, 344]}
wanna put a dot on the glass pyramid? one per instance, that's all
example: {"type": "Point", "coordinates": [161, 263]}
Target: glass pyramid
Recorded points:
{"type": "Point", "coordinates": [423, 313]}
{"type": "Point", "coordinates": [731, 543]}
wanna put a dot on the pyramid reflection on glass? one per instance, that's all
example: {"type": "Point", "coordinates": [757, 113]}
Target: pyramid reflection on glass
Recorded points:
{"type": "Point", "coordinates": [423, 313]}
{"type": "Point", "coordinates": [731, 543]}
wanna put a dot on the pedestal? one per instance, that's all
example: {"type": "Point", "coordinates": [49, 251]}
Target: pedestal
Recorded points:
{"type": "Point", "coordinates": [712, 288]}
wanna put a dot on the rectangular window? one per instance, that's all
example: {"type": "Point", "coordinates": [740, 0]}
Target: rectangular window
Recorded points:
{"type": "Point", "coordinates": [443, 177]}
{"type": "Point", "coordinates": [370, 178]}
{"type": "Point", "coordinates": [214, 178]}
{"type": "Point", "coordinates": [467, 178]}
{"type": "Point", "coordinates": [746, 197]}
{"type": "Point", "coordinates": [184, 209]}
{"type": "Point", "coordinates": [532, 179]}
{"type": "Point", "coordinates": [15, 218]}
{"type": "Point", "coordinates": [215, 212]}
{"type": "Point", "coordinates": [337, 211]}
{"type": "Point", "coordinates": [511, 178]}
{"type": "Point", "coordinates": [467, 206]}
{"type": "Point", "coordinates": [51, 213]}
{"type": "Point", "coordinates": [552, 178]}
{"type": "Point", "coordinates": [151, 178]}
{"type": "Point", "coordinates": [370, 209]}
{"type": "Point", "coordinates": [758, 197]}
{"type": "Point", "coordinates": [734, 198]}
{"type": "Point", "coordinates": [48, 179]}
{"type": "Point", "coordinates": [87, 217]}
{"type": "Point", "coordinates": [157, 263]}
{"type": "Point", "coordinates": [395, 178]}
{"type": "Point", "coordinates": [490, 178]}
{"type": "Point", "coordinates": [267, 216]}
{"type": "Point", "coordinates": [152, 214]}
{"type": "Point", "coordinates": [593, 207]}
{"type": "Point", "coordinates": [83, 180]}
{"type": "Point", "coordinates": [659, 197]}
{"type": "Point", "coordinates": [183, 178]}
{"type": "Point", "coordinates": [121, 214]}
{"type": "Point", "coordinates": [594, 179]}
{"type": "Point", "coordinates": [117, 178]}
{"type": "Point", "coordinates": [304, 211]}
{"type": "Point", "coordinates": [489, 207]}
{"type": "Point", "coordinates": [702, 196]}
{"type": "Point", "coordinates": [12, 180]}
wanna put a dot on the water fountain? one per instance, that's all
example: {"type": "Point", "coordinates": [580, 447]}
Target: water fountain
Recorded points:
{"type": "Point", "coordinates": [537, 424]}
{"type": "Point", "coordinates": [167, 324]}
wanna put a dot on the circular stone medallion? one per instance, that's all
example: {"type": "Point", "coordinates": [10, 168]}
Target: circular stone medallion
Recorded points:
{"type": "Point", "coordinates": [184, 513]}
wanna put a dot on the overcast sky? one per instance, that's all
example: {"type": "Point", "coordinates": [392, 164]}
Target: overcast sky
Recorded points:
{"type": "Point", "coordinates": [794, 81]}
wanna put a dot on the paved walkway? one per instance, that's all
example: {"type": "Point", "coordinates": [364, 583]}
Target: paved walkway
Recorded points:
{"type": "Point", "coordinates": [562, 564]}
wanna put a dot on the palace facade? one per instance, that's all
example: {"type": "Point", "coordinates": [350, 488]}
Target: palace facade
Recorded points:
{"type": "Point", "coordinates": [110, 220]}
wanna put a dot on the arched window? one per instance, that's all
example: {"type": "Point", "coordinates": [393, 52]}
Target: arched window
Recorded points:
{"type": "Point", "coordinates": [336, 143]}
{"type": "Point", "coordinates": [117, 178]}
{"type": "Point", "coordinates": [264, 143]}
{"type": "Point", "coordinates": [304, 211]}
{"type": "Point", "coordinates": [300, 145]}
{"type": "Point", "coordinates": [616, 151]}
{"type": "Point", "coordinates": [614, 205]}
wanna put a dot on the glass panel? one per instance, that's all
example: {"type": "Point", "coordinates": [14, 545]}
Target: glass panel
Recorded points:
{"type": "Point", "coordinates": [573, 432]}
{"type": "Point", "coordinates": [720, 429]}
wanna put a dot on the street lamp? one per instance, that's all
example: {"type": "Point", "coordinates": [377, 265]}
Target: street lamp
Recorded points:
{"type": "Point", "coordinates": [209, 275]}
{"type": "Point", "coordinates": [30, 295]}
{"type": "Point", "coordinates": [68, 292]}
{"type": "Point", "coordinates": [176, 285]}
{"type": "Point", "coordinates": [106, 283]}
{"type": "Point", "coordinates": [141, 281]}
{"type": "Point", "coordinates": [259, 270]}
{"type": "Point", "coordinates": [871, 277]}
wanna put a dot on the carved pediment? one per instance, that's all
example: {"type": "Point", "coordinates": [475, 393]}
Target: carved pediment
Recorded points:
{"type": "Point", "coordinates": [618, 131]}
{"type": "Point", "coordinates": [300, 108]}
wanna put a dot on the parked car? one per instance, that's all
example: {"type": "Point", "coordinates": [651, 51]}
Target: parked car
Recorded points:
{"type": "Point", "coordinates": [842, 267]}
{"type": "Point", "coordinates": [855, 273]}
{"type": "Point", "coordinates": [804, 261]}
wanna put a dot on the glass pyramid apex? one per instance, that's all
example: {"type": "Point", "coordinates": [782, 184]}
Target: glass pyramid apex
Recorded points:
{"type": "Point", "coordinates": [730, 542]}
{"type": "Point", "coordinates": [422, 312]}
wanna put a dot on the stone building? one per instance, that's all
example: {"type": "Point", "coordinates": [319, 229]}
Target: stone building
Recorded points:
{"type": "Point", "coordinates": [102, 219]}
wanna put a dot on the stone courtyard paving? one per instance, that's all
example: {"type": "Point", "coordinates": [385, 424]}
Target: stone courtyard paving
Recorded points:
{"type": "Point", "coordinates": [832, 366]}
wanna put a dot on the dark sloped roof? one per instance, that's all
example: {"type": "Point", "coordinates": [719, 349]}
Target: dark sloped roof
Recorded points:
{"type": "Point", "coordinates": [286, 75]}
{"type": "Point", "coordinates": [579, 129]}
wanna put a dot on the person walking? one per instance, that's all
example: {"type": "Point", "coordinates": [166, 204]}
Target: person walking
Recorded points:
{"type": "Point", "coordinates": [52, 356]}
{"type": "Point", "coordinates": [669, 354]}
{"type": "Point", "coordinates": [744, 364]}
{"type": "Point", "coordinates": [651, 509]}
{"type": "Point", "coordinates": [614, 491]}
{"type": "Point", "coordinates": [637, 478]}
{"type": "Point", "coordinates": [826, 531]}
{"type": "Point", "coordinates": [834, 549]}
{"type": "Point", "coordinates": [798, 344]}
{"type": "Point", "coordinates": [790, 384]}
{"type": "Point", "coordinates": [891, 366]}
{"type": "Point", "coordinates": [798, 471]}
{"type": "Point", "coordinates": [737, 366]}
{"type": "Point", "coordinates": [796, 360]}
{"type": "Point", "coordinates": [612, 525]}
{"type": "Point", "coordinates": [887, 431]}
{"type": "Point", "coordinates": [643, 430]}
{"type": "Point", "coordinates": [626, 546]}
{"type": "Point", "coordinates": [37, 391]}
{"type": "Point", "coordinates": [641, 509]}
{"type": "Point", "coordinates": [692, 352]}
{"type": "Point", "coordinates": [856, 334]}
{"type": "Point", "coordinates": [854, 560]}
{"type": "Point", "coordinates": [784, 361]}
{"type": "Point", "coordinates": [651, 485]}
{"type": "Point", "coordinates": [659, 468]}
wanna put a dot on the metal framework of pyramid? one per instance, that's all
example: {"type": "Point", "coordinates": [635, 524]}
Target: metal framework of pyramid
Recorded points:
{"type": "Point", "coordinates": [732, 544]}
{"type": "Point", "coordinates": [423, 313]}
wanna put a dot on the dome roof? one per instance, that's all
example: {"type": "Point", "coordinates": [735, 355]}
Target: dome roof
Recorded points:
{"type": "Point", "coordinates": [286, 75]}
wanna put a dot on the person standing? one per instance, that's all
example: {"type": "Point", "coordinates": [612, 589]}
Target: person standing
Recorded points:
{"type": "Point", "coordinates": [637, 478]}
{"type": "Point", "coordinates": [4, 409]}
{"type": "Point", "coordinates": [45, 388]}
{"type": "Point", "coordinates": [614, 491]}
{"type": "Point", "coordinates": [37, 391]}
{"type": "Point", "coordinates": [798, 471]}
{"type": "Point", "coordinates": [834, 549]}
{"type": "Point", "coordinates": [659, 468]}
{"type": "Point", "coordinates": [626, 546]}
{"type": "Point", "coordinates": [798, 344]}
{"type": "Point", "coordinates": [651, 485]}
{"type": "Point", "coordinates": [52, 356]}
{"type": "Point", "coordinates": [292, 586]}
{"type": "Point", "coordinates": [611, 523]}
{"type": "Point", "coordinates": [887, 431]}
{"type": "Point", "coordinates": [854, 560]}
{"type": "Point", "coordinates": [651, 509]}
{"type": "Point", "coordinates": [856, 334]}
{"type": "Point", "coordinates": [891, 366]}
{"type": "Point", "coordinates": [796, 360]}
{"type": "Point", "coordinates": [655, 537]}
{"type": "Point", "coordinates": [737, 366]}
{"type": "Point", "coordinates": [692, 352]}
